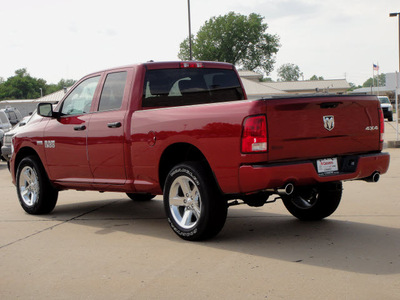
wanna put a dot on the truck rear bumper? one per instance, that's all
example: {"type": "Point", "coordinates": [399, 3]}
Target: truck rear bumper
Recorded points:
{"type": "Point", "coordinates": [254, 178]}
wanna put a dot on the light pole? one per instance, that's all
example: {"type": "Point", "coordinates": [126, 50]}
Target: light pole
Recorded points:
{"type": "Point", "coordinates": [397, 80]}
{"type": "Point", "coordinates": [395, 15]}
{"type": "Point", "coordinates": [190, 33]}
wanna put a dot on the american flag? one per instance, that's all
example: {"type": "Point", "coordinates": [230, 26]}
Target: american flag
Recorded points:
{"type": "Point", "coordinates": [376, 67]}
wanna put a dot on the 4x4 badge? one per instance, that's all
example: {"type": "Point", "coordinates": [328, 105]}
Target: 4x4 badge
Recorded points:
{"type": "Point", "coordinates": [329, 122]}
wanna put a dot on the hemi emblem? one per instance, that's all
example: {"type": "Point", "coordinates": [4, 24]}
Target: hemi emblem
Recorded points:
{"type": "Point", "coordinates": [329, 122]}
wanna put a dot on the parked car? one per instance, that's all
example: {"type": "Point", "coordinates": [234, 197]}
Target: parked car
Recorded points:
{"type": "Point", "coordinates": [5, 124]}
{"type": "Point", "coordinates": [387, 107]}
{"type": "Point", "coordinates": [13, 115]}
{"type": "Point", "coordinates": [1, 140]}
{"type": "Point", "coordinates": [7, 139]}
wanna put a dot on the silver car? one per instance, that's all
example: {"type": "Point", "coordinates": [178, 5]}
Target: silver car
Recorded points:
{"type": "Point", "coordinates": [5, 124]}
{"type": "Point", "coordinates": [7, 140]}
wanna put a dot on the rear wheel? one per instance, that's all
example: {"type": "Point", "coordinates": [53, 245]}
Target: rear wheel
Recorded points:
{"type": "Point", "coordinates": [35, 193]}
{"type": "Point", "coordinates": [194, 207]}
{"type": "Point", "coordinates": [314, 203]}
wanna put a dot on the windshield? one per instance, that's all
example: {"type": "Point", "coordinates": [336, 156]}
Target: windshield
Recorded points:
{"type": "Point", "coordinates": [176, 87]}
{"type": "Point", "coordinates": [384, 100]}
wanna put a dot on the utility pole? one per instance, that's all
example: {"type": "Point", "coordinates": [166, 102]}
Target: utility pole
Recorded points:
{"type": "Point", "coordinates": [190, 33]}
{"type": "Point", "coordinates": [397, 81]}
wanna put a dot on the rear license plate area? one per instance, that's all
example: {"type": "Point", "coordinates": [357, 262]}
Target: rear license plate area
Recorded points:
{"type": "Point", "coordinates": [327, 166]}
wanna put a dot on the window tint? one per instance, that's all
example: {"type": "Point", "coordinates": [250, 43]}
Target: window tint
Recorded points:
{"type": "Point", "coordinates": [80, 99]}
{"type": "Point", "coordinates": [176, 87]}
{"type": "Point", "coordinates": [113, 91]}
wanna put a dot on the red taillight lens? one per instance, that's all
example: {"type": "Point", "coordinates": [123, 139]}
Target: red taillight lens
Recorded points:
{"type": "Point", "coordinates": [381, 125]}
{"type": "Point", "coordinates": [191, 65]}
{"type": "Point", "coordinates": [254, 136]}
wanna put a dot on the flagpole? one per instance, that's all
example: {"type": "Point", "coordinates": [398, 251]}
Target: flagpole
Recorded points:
{"type": "Point", "coordinates": [373, 74]}
{"type": "Point", "coordinates": [377, 79]}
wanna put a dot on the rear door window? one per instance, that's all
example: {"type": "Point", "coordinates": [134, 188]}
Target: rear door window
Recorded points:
{"type": "Point", "coordinates": [177, 87]}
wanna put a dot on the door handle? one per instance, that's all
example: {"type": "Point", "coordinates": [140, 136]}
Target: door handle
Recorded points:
{"type": "Point", "coordinates": [79, 127]}
{"type": "Point", "coordinates": [114, 125]}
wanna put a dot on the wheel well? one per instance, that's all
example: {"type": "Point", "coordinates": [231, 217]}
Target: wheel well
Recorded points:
{"type": "Point", "coordinates": [179, 153]}
{"type": "Point", "coordinates": [22, 153]}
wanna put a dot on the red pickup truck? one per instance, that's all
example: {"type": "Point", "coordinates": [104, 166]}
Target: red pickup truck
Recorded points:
{"type": "Point", "coordinates": [186, 130]}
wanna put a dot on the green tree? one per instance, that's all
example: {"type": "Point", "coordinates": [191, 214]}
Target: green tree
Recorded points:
{"type": "Point", "coordinates": [22, 86]}
{"type": "Point", "coordinates": [315, 77]}
{"type": "Point", "coordinates": [374, 81]}
{"type": "Point", "coordinates": [353, 86]}
{"type": "Point", "coordinates": [234, 38]}
{"type": "Point", "coordinates": [266, 79]}
{"type": "Point", "coordinates": [63, 83]}
{"type": "Point", "coordinates": [289, 72]}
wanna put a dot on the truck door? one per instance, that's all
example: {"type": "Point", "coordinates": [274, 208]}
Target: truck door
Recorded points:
{"type": "Point", "coordinates": [65, 138]}
{"type": "Point", "coordinates": [106, 140]}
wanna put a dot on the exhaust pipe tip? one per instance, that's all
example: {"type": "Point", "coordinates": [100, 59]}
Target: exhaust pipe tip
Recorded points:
{"type": "Point", "coordinates": [287, 189]}
{"type": "Point", "coordinates": [373, 178]}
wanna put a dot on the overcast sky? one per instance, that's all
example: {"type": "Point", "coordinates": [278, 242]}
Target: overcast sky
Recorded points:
{"type": "Point", "coordinates": [57, 39]}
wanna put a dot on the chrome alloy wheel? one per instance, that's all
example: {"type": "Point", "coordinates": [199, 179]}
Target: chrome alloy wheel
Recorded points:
{"type": "Point", "coordinates": [185, 202]}
{"type": "Point", "coordinates": [29, 186]}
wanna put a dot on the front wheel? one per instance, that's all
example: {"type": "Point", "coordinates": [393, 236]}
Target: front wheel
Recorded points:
{"type": "Point", "coordinates": [35, 193]}
{"type": "Point", "coordinates": [314, 203]}
{"type": "Point", "coordinates": [194, 207]}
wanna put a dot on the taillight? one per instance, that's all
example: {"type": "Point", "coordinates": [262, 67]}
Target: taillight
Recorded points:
{"type": "Point", "coordinates": [254, 136]}
{"type": "Point", "coordinates": [191, 65]}
{"type": "Point", "coordinates": [381, 125]}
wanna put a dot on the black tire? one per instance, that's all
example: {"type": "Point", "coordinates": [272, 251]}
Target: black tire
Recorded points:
{"type": "Point", "coordinates": [314, 203]}
{"type": "Point", "coordinates": [390, 118]}
{"type": "Point", "coordinates": [194, 207]}
{"type": "Point", "coordinates": [140, 197]}
{"type": "Point", "coordinates": [35, 193]}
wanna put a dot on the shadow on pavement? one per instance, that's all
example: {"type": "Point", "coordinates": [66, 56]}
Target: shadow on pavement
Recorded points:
{"type": "Point", "coordinates": [331, 243]}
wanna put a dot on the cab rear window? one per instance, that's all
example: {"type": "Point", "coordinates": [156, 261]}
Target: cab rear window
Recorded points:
{"type": "Point", "coordinates": [178, 87]}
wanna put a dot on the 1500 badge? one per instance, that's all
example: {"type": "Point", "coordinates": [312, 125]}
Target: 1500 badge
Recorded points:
{"type": "Point", "coordinates": [50, 144]}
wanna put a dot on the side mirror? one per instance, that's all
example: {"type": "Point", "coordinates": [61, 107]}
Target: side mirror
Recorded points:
{"type": "Point", "coordinates": [45, 110]}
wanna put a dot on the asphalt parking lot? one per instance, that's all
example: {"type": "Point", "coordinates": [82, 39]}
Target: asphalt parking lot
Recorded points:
{"type": "Point", "coordinates": [106, 246]}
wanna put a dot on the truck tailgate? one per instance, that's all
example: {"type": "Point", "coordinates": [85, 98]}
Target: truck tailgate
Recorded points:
{"type": "Point", "coordinates": [323, 126]}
